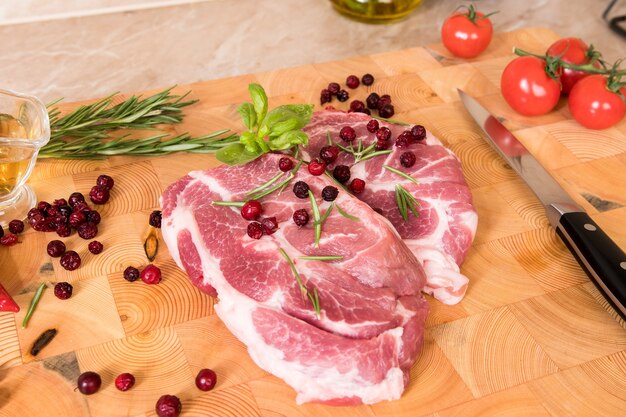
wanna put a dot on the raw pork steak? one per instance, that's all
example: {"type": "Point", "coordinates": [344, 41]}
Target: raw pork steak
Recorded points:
{"type": "Point", "coordinates": [370, 326]}
{"type": "Point", "coordinates": [444, 231]}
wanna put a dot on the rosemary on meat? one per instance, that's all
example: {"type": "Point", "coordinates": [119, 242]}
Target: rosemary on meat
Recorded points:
{"type": "Point", "coordinates": [363, 154]}
{"type": "Point", "coordinates": [317, 225]}
{"type": "Point", "coordinates": [346, 215]}
{"type": "Point", "coordinates": [303, 289]}
{"type": "Point", "coordinates": [321, 258]}
{"type": "Point", "coordinates": [406, 202]}
{"type": "Point", "coordinates": [392, 121]}
{"type": "Point", "coordinates": [402, 174]}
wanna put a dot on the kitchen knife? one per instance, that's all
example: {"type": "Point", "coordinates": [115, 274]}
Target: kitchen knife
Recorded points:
{"type": "Point", "coordinates": [603, 261]}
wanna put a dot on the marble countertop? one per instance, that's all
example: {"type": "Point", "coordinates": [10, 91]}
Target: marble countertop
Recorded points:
{"type": "Point", "coordinates": [78, 51]}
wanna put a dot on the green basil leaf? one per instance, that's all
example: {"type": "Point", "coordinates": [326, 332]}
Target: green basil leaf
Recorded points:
{"type": "Point", "coordinates": [235, 154]}
{"type": "Point", "coordinates": [285, 118]}
{"type": "Point", "coordinates": [248, 115]}
{"type": "Point", "coordinates": [259, 101]}
{"type": "Point", "coordinates": [249, 140]}
{"type": "Point", "coordinates": [287, 140]}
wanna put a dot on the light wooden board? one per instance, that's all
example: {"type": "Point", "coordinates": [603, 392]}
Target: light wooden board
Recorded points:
{"type": "Point", "coordinates": [532, 336]}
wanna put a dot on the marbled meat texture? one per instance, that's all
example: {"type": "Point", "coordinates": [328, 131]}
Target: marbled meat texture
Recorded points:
{"type": "Point", "coordinates": [445, 229]}
{"type": "Point", "coordinates": [370, 328]}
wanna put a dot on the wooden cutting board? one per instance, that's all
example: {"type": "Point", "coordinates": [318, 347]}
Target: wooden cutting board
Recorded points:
{"type": "Point", "coordinates": [532, 337]}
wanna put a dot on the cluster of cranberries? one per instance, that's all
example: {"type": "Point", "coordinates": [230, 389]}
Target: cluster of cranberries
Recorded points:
{"type": "Point", "coordinates": [374, 102]}
{"type": "Point", "coordinates": [334, 89]}
{"type": "Point", "coordinates": [15, 228]}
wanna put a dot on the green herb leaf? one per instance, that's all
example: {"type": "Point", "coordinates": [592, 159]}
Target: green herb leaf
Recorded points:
{"type": "Point", "coordinates": [321, 258]}
{"type": "Point", "coordinates": [315, 300]}
{"type": "Point", "coordinates": [288, 139]}
{"type": "Point", "coordinates": [33, 304]}
{"type": "Point", "coordinates": [316, 219]}
{"type": "Point", "coordinates": [248, 115]}
{"type": "Point", "coordinates": [346, 215]}
{"type": "Point", "coordinates": [402, 174]}
{"type": "Point", "coordinates": [235, 154]}
{"type": "Point", "coordinates": [259, 101]}
{"type": "Point", "coordinates": [406, 202]}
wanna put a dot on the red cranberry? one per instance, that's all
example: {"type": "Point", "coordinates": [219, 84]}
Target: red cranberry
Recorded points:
{"type": "Point", "coordinates": [384, 99]}
{"type": "Point", "coordinates": [8, 240]}
{"type": "Point", "coordinates": [317, 167]}
{"type": "Point", "coordinates": [285, 164]}
{"type": "Point", "coordinates": [407, 159]}
{"type": "Point", "coordinates": [168, 406]}
{"type": "Point", "coordinates": [34, 212]}
{"type": "Point", "coordinates": [269, 225]}
{"type": "Point", "coordinates": [341, 173]}
{"type": "Point", "coordinates": [151, 274]}
{"type": "Point", "coordinates": [75, 198]}
{"type": "Point", "coordinates": [367, 79]}
{"type": "Point", "coordinates": [381, 145]}
{"type": "Point", "coordinates": [105, 181]}
{"type": "Point", "coordinates": [418, 132]}
{"type": "Point", "coordinates": [357, 106]}
{"type": "Point", "coordinates": [329, 193]}
{"type": "Point", "coordinates": [70, 260]}
{"type": "Point", "coordinates": [63, 290]}
{"type": "Point", "coordinates": [65, 211]}
{"type": "Point", "coordinates": [206, 379]}
{"type": "Point", "coordinates": [251, 210]}
{"type": "Point", "coordinates": [16, 227]}
{"type": "Point", "coordinates": [343, 95]}
{"type": "Point", "coordinates": [60, 202]}
{"type": "Point", "coordinates": [255, 230]}
{"type": "Point", "coordinates": [352, 81]}
{"type": "Point", "coordinates": [301, 189]}
{"type": "Point", "coordinates": [89, 383]}
{"type": "Point", "coordinates": [357, 186]}
{"type": "Point", "coordinates": [347, 133]}
{"type": "Point", "coordinates": [300, 217]}
{"type": "Point", "coordinates": [372, 101]}
{"type": "Point", "coordinates": [131, 274]}
{"type": "Point", "coordinates": [43, 206]}
{"type": "Point", "coordinates": [404, 139]}
{"type": "Point", "coordinates": [372, 126]}
{"type": "Point", "coordinates": [53, 211]}
{"type": "Point", "coordinates": [63, 230]}
{"type": "Point", "coordinates": [334, 88]}
{"type": "Point", "coordinates": [384, 134]}
{"type": "Point", "coordinates": [87, 230]}
{"type": "Point", "coordinates": [325, 96]}
{"type": "Point", "coordinates": [55, 248]}
{"type": "Point", "coordinates": [99, 194]}
{"type": "Point", "coordinates": [155, 219]}
{"type": "Point", "coordinates": [329, 154]}
{"type": "Point", "coordinates": [77, 218]}
{"type": "Point", "coordinates": [95, 247]}
{"type": "Point", "coordinates": [82, 207]}
{"type": "Point", "coordinates": [93, 217]}
{"type": "Point", "coordinates": [367, 111]}
{"type": "Point", "coordinates": [124, 381]}
{"type": "Point", "coordinates": [386, 111]}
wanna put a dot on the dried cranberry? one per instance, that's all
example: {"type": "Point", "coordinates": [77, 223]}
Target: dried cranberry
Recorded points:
{"type": "Point", "coordinates": [206, 379]}
{"type": "Point", "coordinates": [53, 211]}
{"type": "Point", "coordinates": [105, 181]}
{"type": "Point", "coordinates": [75, 198]}
{"type": "Point", "coordinates": [357, 186]}
{"type": "Point", "coordinates": [317, 167]}
{"type": "Point", "coordinates": [168, 406]}
{"type": "Point", "coordinates": [352, 81]}
{"type": "Point", "coordinates": [43, 206]}
{"type": "Point", "coordinates": [407, 159]}
{"type": "Point", "coordinates": [89, 383]}
{"type": "Point", "coordinates": [285, 164]}
{"type": "Point", "coordinates": [367, 111]}
{"type": "Point", "coordinates": [404, 139]}
{"type": "Point", "coordinates": [77, 218]}
{"type": "Point", "coordinates": [301, 189]}
{"type": "Point", "coordinates": [82, 207]}
{"type": "Point", "coordinates": [372, 101]}
{"type": "Point", "coordinates": [131, 274]}
{"type": "Point", "coordinates": [55, 248]}
{"type": "Point", "coordinates": [384, 134]}
{"type": "Point", "coordinates": [251, 210]}
{"type": "Point", "coordinates": [269, 225]}
{"type": "Point", "coordinates": [63, 290]}
{"type": "Point", "coordinates": [367, 79]}
{"type": "Point", "coordinates": [384, 99]}
{"type": "Point", "coordinates": [357, 106]}
{"type": "Point", "coordinates": [341, 173]}
{"type": "Point", "coordinates": [325, 96]}
{"type": "Point", "coordinates": [95, 247]}
{"type": "Point", "coordinates": [8, 240]}
{"type": "Point", "coordinates": [125, 381]}
{"type": "Point", "coordinates": [386, 111]}
{"type": "Point", "coordinates": [87, 230]}
{"type": "Point", "coordinates": [329, 154]}
{"type": "Point", "coordinates": [63, 230]}
{"type": "Point", "coordinates": [381, 145]}
{"type": "Point", "coordinates": [255, 230]}
{"type": "Point", "coordinates": [329, 193]}
{"type": "Point", "coordinates": [60, 202]}
{"type": "Point", "coordinates": [70, 260]}
{"type": "Point", "coordinates": [372, 126]}
{"type": "Point", "coordinates": [34, 212]}
{"type": "Point", "coordinates": [99, 194]}
{"type": "Point", "coordinates": [93, 217]}
{"type": "Point", "coordinates": [347, 133]}
{"type": "Point", "coordinates": [334, 88]}
{"type": "Point", "coordinates": [155, 219]}
{"type": "Point", "coordinates": [151, 274]}
{"type": "Point", "coordinates": [343, 95]}
{"type": "Point", "coordinates": [418, 132]}
{"type": "Point", "coordinates": [300, 217]}
{"type": "Point", "coordinates": [65, 211]}
{"type": "Point", "coordinates": [16, 227]}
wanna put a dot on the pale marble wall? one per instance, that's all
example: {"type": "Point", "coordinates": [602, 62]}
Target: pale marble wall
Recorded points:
{"type": "Point", "coordinates": [91, 56]}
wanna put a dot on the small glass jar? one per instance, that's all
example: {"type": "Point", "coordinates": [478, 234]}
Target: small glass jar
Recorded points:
{"type": "Point", "coordinates": [375, 11]}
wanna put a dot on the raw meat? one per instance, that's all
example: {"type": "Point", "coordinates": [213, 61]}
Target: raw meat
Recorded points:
{"type": "Point", "coordinates": [445, 229]}
{"type": "Point", "coordinates": [370, 327]}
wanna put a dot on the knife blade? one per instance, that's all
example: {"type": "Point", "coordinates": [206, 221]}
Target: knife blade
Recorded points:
{"type": "Point", "coordinates": [601, 258]}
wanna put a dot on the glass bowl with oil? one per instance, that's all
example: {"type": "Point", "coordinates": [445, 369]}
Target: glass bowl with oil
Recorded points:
{"type": "Point", "coordinates": [375, 11]}
{"type": "Point", "coordinates": [24, 130]}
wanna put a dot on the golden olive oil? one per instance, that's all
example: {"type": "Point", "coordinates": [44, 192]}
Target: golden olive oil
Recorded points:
{"type": "Point", "coordinates": [375, 11]}
{"type": "Point", "coordinates": [14, 160]}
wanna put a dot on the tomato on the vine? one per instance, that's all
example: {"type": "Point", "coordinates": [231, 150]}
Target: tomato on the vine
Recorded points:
{"type": "Point", "coordinates": [466, 35]}
{"type": "Point", "coordinates": [573, 51]}
{"type": "Point", "coordinates": [528, 88]}
{"type": "Point", "coordinates": [594, 105]}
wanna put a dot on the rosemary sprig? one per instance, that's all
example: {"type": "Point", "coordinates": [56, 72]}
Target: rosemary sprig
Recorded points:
{"type": "Point", "coordinates": [363, 154]}
{"type": "Point", "coordinates": [402, 174]}
{"type": "Point", "coordinates": [321, 258]}
{"type": "Point", "coordinates": [346, 215]}
{"type": "Point", "coordinates": [33, 304]}
{"type": "Point", "coordinates": [406, 202]}
{"type": "Point", "coordinates": [315, 300]}
{"type": "Point", "coordinates": [317, 225]}
{"type": "Point", "coordinates": [392, 121]}
{"type": "Point", "coordinates": [265, 184]}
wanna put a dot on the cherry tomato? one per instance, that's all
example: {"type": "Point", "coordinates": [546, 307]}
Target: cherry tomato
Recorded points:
{"type": "Point", "coordinates": [466, 35]}
{"type": "Point", "coordinates": [593, 105]}
{"type": "Point", "coordinates": [528, 88]}
{"type": "Point", "coordinates": [574, 51]}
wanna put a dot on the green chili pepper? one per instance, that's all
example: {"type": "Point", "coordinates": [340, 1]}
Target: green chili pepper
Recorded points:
{"type": "Point", "coordinates": [33, 304]}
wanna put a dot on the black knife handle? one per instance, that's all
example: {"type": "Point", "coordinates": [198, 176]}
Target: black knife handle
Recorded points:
{"type": "Point", "coordinates": [603, 261]}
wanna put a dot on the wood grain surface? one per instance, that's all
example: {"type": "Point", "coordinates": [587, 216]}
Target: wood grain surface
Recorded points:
{"type": "Point", "coordinates": [531, 338]}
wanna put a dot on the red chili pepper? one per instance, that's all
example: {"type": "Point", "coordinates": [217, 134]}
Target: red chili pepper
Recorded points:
{"type": "Point", "coordinates": [6, 302]}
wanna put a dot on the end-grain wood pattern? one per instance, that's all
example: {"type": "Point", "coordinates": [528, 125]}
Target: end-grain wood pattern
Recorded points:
{"type": "Point", "coordinates": [532, 336]}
